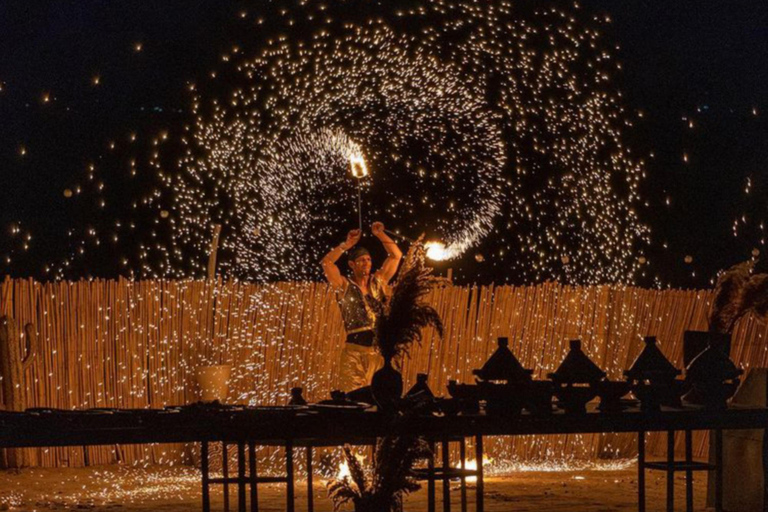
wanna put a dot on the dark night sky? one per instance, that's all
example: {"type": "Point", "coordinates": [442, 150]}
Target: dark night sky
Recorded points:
{"type": "Point", "coordinates": [701, 61]}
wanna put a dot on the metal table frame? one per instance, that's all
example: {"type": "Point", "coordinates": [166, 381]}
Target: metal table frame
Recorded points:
{"type": "Point", "coordinates": [250, 428]}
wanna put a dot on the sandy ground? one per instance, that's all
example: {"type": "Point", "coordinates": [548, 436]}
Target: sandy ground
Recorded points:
{"type": "Point", "coordinates": [116, 489]}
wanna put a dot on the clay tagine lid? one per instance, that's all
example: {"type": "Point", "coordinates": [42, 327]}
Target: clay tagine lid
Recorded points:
{"type": "Point", "coordinates": [651, 364]}
{"type": "Point", "coordinates": [421, 386]}
{"type": "Point", "coordinates": [577, 368]}
{"type": "Point", "coordinates": [503, 365]}
{"type": "Point", "coordinates": [296, 397]}
{"type": "Point", "coordinates": [712, 365]}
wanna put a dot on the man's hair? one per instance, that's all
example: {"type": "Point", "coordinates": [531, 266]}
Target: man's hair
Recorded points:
{"type": "Point", "coordinates": [357, 252]}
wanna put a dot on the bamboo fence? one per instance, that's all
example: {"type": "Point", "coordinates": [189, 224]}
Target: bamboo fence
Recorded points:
{"type": "Point", "coordinates": [136, 344]}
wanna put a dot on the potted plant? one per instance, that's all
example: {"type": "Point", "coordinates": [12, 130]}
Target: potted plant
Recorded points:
{"type": "Point", "coordinates": [737, 293]}
{"type": "Point", "coordinates": [711, 377]}
{"type": "Point", "coordinates": [405, 315]}
{"type": "Point", "coordinates": [390, 479]}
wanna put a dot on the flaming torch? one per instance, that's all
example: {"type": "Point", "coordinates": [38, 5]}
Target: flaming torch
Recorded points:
{"type": "Point", "coordinates": [359, 171]}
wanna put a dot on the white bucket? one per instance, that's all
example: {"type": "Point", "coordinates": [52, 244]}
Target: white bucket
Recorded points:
{"type": "Point", "coordinates": [213, 382]}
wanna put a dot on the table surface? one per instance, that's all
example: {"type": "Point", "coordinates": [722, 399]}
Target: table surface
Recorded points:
{"type": "Point", "coordinates": [306, 426]}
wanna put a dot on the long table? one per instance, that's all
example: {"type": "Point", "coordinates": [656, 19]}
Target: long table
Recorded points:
{"type": "Point", "coordinates": [300, 427]}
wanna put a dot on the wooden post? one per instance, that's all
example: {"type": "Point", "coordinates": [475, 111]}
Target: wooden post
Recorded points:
{"type": "Point", "coordinates": [211, 277]}
{"type": "Point", "coordinates": [213, 251]}
{"type": "Point", "coordinates": [12, 367]}
{"type": "Point", "coordinates": [480, 487]}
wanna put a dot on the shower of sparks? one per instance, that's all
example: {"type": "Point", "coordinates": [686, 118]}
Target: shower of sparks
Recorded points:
{"type": "Point", "coordinates": [482, 125]}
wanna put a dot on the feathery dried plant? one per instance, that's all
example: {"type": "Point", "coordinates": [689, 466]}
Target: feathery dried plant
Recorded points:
{"type": "Point", "coordinates": [407, 313]}
{"type": "Point", "coordinates": [391, 478]}
{"type": "Point", "coordinates": [737, 293]}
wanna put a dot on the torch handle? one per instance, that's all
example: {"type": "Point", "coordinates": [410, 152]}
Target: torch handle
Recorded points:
{"type": "Point", "coordinates": [359, 208]}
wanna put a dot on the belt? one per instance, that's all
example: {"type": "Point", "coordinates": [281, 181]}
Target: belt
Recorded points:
{"type": "Point", "coordinates": [359, 329]}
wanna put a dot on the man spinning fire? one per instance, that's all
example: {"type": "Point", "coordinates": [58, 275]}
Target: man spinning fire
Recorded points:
{"type": "Point", "coordinates": [361, 298]}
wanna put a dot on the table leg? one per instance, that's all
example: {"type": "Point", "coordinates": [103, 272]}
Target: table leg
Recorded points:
{"type": "Point", "coordinates": [431, 478]}
{"type": "Point", "coordinates": [289, 475]}
{"type": "Point", "coordinates": [688, 472]}
{"type": "Point", "coordinates": [446, 480]}
{"type": "Point", "coordinates": [480, 484]}
{"type": "Point", "coordinates": [670, 471]}
{"type": "Point", "coordinates": [719, 470]}
{"type": "Point", "coordinates": [641, 471]}
{"type": "Point", "coordinates": [463, 455]}
{"type": "Point", "coordinates": [241, 476]}
{"type": "Point", "coordinates": [253, 477]}
{"type": "Point", "coordinates": [310, 491]}
{"type": "Point", "coordinates": [765, 470]}
{"type": "Point", "coordinates": [225, 473]}
{"type": "Point", "coordinates": [206, 476]}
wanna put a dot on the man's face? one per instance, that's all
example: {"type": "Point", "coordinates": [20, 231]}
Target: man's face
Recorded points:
{"type": "Point", "coordinates": [361, 267]}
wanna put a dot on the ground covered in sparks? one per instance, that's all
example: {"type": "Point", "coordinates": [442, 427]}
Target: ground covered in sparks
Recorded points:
{"type": "Point", "coordinates": [114, 488]}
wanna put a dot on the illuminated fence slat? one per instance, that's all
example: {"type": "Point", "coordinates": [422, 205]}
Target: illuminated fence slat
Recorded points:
{"type": "Point", "coordinates": [120, 343]}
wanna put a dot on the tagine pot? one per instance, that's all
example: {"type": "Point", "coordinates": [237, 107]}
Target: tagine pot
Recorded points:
{"type": "Point", "coordinates": [387, 387]}
{"type": "Point", "coordinates": [654, 378]}
{"type": "Point", "coordinates": [502, 381]}
{"type": "Point", "coordinates": [713, 378]}
{"type": "Point", "coordinates": [576, 379]}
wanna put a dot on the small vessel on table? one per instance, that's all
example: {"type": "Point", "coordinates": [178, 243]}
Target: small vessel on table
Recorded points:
{"type": "Point", "coordinates": [502, 381]}
{"type": "Point", "coordinates": [712, 378]}
{"type": "Point", "coordinates": [654, 379]}
{"type": "Point", "coordinates": [576, 380]}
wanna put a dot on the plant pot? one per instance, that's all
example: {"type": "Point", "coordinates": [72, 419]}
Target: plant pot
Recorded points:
{"type": "Point", "coordinates": [377, 505]}
{"type": "Point", "coordinates": [387, 387]}
{"type": "Point", "coordinates": [213, 382]}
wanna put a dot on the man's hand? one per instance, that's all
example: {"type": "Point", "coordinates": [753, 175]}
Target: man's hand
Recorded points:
{"type": "Point", "coordinates": [352, 238]}
{"type": "Point", "coordinates": [377, 228]}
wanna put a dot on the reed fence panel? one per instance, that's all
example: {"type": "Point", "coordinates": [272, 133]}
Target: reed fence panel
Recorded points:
{"type": "Point", "coordinates": [137, 344]}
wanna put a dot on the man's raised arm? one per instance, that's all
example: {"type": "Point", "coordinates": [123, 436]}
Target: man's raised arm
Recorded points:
{"type": "Point", "coordinates": [394, 254]}
{"type": "Point", "coordinates": [331, 271]}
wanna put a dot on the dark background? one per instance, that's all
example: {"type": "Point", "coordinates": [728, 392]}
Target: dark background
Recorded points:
{"type": "Point", "coordinates": [704, 62]}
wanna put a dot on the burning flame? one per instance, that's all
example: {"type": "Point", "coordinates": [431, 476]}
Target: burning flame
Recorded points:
{"type": "Point", "coordinates": [358, 166]}
{"type": "Point", "coordinates": [344, 467]}
{"type": "Point", "coordinates": [472, 465]}
{"type": "Point", "coordinates": [343, 471]}
{"type": "Point", "coordinates": [436, 251]}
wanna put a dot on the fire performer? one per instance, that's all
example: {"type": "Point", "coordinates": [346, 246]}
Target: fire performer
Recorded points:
{"type": "Point", "coordinates": [361, 299]}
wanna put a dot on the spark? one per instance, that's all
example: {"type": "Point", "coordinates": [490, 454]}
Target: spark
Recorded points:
{"type": "Point", "coordinates": [487, 126]}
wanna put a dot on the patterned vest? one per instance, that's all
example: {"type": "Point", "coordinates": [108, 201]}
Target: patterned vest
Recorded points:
{"type": "Point", "coordinates": [359, 311]}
